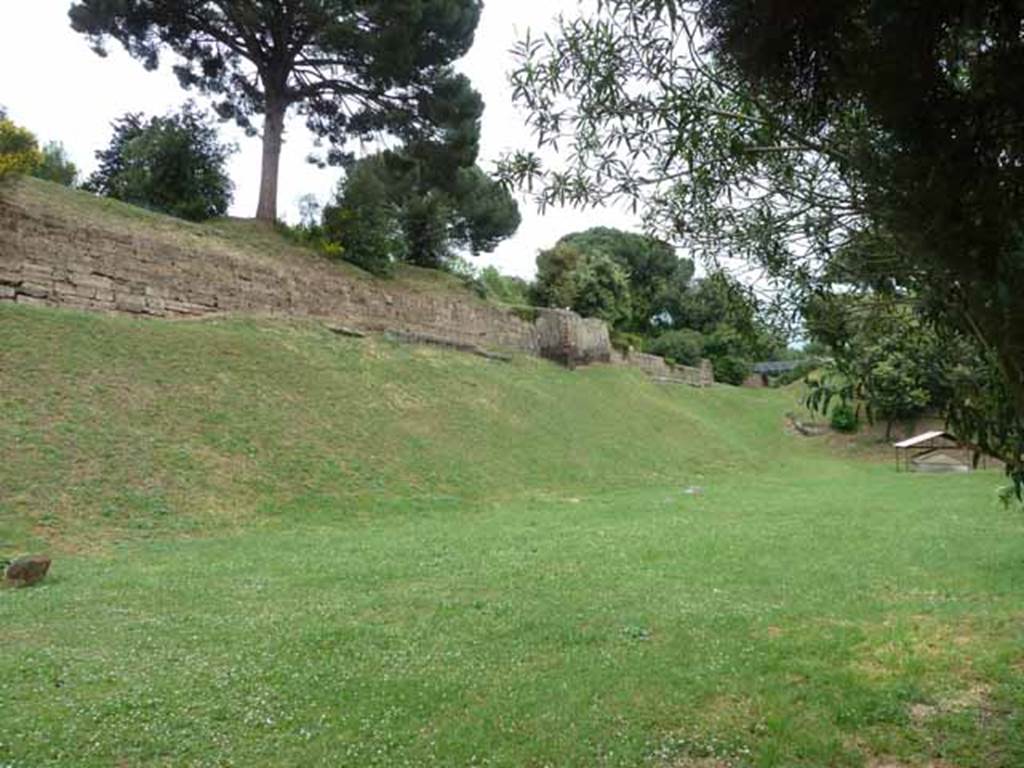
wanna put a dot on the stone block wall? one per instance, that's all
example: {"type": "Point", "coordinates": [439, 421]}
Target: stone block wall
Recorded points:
{"type": "Point", "coordinates": [173, 270]}
{"type": "Point", "coordinates": [660, 369]}
{"type": "Point", "coordinates": [572, 340]}
{"type": "Point", "coordinates": [50, 261]}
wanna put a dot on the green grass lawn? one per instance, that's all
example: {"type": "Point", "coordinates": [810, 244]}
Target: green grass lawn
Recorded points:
{"type": "Point", "coordinates": [275, 547]}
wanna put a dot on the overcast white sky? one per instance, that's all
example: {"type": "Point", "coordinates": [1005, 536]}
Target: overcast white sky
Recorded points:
{"type": "Point", "coordinates": [70, 94]}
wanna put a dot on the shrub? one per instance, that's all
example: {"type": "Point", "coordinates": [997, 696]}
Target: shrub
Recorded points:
{"type": "Point", "coordinates": [731, 369]}
{"type": "Point", "coordinates": [844, 418]}
{"type": "Point", "coordinates": [503, 288]}
{"type": "Point", "coordinates": [19, 150]}
{"type": "Point", "coordinates": [309, 232]}
{"type": "Point", "coordinates": [622, 340]}
{"type": "Point", "coordinates": [56, 166]}
{"type": "Point", "coordinates": [684, 346]}
{"type": "Point", "coordinates": [174, 164]}
{"type": "Point", "coordinates": [309, 237]}
{"type": "Point", "coordinates": [364, 221]}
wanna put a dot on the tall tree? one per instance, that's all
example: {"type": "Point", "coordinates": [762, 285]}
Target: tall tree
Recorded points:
{"type": "Point", "coordinates": [430, 188]}
{"type": "Point", "coordinates": [780, 131]}
{"type": "Point", "coordinates": [591, 283]}
{"type": "Point", "coordinates": [388, 210]}
{"type": "Point", "coordinates": [657, 276]}
{"type": "Point", "coordinates": [351, 67]}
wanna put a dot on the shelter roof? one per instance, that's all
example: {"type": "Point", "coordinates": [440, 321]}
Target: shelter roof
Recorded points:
{"type": "Point", "coordinates": [778, 366]}
{"type": "Point", "coordinates": [924, 437]}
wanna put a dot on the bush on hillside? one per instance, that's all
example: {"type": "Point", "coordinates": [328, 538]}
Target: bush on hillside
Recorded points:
{"type": "Point", "coordinates": [730, 369]}
{"type": "Point", "coordinates": [844, 418]}
{"type": "Point", "coordinates": [657, 276]}
{"type": "Point", "coordinates": [174, 164]}
{"type": "Point", "coordinates": [684, 346]}
{"type": "Point", "coordinates": [364, 223]}
{"type": "Point", "coordinates": [590, 284]}
{"type": "Point", "coordinates": [504, 288]}
{"type": "Point", "coordinates": [309, 232]}
{"type": "Point", "coordinates": [624, 341]}
{"type": "Point", "coordinates": [19, 150]}
{"type": "Point", "coordinates": [56, 166]}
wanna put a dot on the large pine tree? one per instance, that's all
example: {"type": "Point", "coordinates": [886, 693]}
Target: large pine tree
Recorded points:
{"type": "Point", "coordinates": [351, 67]}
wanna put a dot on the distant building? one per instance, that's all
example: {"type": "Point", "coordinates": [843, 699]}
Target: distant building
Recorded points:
{"type": "Point", "coordinates": [763, 372]}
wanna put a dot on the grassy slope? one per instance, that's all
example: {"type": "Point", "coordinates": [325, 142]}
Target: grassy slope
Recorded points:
{"type": "Point", "coordinates": [278, 547]}
{"type": "Point", "coordinates": [145, 424]}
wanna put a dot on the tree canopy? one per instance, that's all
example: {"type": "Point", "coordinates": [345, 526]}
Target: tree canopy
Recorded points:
{"type": "Point", "coordinates": [586, 280]}
{"type": "Point", "coordinates": [727, 321]}
{"type": "Point", "coordinates": [428, 193]}
{"type": "Point", "coordinates": [352, 67]}
{"type": "Point", "coordinates": [19, 149]}
{"type": "Point", "coordinates": [646, 293]}
{"type": "Point", "coordinates": [883, 357]}
{"type": "Point", "coordinates": [174, 164]}
{"type": "Point", "coordinates": [781, 132]}
{"type": "Point", "coordinates": [56, 166]}
{"type": "Point", "coordinates": [657, 275]}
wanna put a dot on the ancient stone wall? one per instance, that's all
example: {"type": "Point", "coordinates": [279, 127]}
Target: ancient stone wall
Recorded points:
{"type": "Point", "coordinates": [162, 268]}
{"type": "Point", "coordinates": [572, 340]}
{"type": "Point", "coordinates": [47, 260]}
{"type": "Point", "coordinates": [661, 370]}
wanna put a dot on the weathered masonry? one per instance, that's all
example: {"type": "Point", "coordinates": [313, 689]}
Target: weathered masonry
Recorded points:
{"type": "Point", "coordinates": [174, 270]}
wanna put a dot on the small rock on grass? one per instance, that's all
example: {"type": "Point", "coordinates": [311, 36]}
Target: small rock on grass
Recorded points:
{"type": "Point", "coordinates": [26, 571]}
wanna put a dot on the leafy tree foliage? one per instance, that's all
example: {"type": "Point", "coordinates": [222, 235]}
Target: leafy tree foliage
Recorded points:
{"type": "Point", "coordinates": [889, 357]}
{"type": "Point", "coordinates": [602, 290]}
{"type": "Point", "coordinates": [684, 346]}
{"type": "Point", "coordinates": [428, 198]}
{"type": "Point", "coordinates": [19, 150]}
{"type": "Point", "coordinates": [351, 67]}
{"type": "Point", "coordinates": [715, 317]}
{"type": "Point", "coordinates": [780, 132]}
{"type": "Point", "coordinates": [56, 166]}
{"type": "Point", "coordinates": [366, 223]}
{"type": "Point", "coordinates": [590, 283]}
{"type": "Point", "coordinates": [657, 276]}
{"type": "Point", "coordinates": [556, 284]}
{"type": "Point", "coordinates": [174, 164]}
{"type": "Point", "coordinates": [486, 213]}
{"type": "Point", "coordinates": [730, 353]}
{"type": "Point", "coordinates": [384, 214]}
{"type": "Point", "coordinates": [20, 154]}
{"type": "Point", "coordinates": [730, 323]}
{"type": "Point", "coordinates": [719, 300]}
{"type": "Point", "coordinates": [892, 360]}
{"type": "Point", "coordinates": [503, 288]}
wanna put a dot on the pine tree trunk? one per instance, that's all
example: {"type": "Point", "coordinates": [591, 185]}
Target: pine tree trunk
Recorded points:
{"type": "Point", "coordinates": [273, 131]}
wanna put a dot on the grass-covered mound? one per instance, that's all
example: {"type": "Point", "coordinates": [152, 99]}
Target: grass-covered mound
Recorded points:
{"type": "Point", "coordinates": [114, 426]}
{"type": "Point", "coordinates": [274, 546]}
